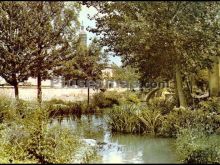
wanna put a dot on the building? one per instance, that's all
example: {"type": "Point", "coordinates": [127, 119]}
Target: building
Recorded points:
{"type": "Point", "coordinates": [83, 36]}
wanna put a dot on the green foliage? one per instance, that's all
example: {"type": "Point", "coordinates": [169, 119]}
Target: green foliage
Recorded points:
{"type": "Point", "coordinates": [186, 118]}
{"type": "Point", "coordinates": [156, 34]}
{"type": "Point", "coordinates": [30, 138]}
{"type": "Point", "coordinates": [122, 119]}
{"type": "Point", "coordinates": [163, 105]}
{"type": "Point", "coordinates": [106, 99]}
{"type": "Point", "coordinates": [131, 97]}
{"type": "Point", "coordinates": [14, 48]}
{"type": "Point", "coordinates": [38, 35]}
{"type": "Point", "coordinates": [59, 108]}
{"type": "Point", "coordinates": [26, 136]}
{"type": "Point", "coordinates": [110, 98]}
{"type": "Point", "coordinates": [134, 119]}
{"type": "Point", "coordinates": [127, 74]}
{"type": "Point", "coordinates": [99, 101]}
{"type": "Point", "coordinates": [85, 63]}
{"type": "Point", "coordinates": [195, 147]}
{"type": "Point", "coordinates": [211, 105]}
{"type": "Point", "coordinates": [152, 120]}
{"type": "Point", "coordinates": [5, 105]}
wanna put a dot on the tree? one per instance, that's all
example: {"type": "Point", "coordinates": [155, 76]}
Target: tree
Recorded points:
{"type": "Point", "coordinates": [127, 74]}
{"type": "Point", "coordinates": [162, 39]}
{"type": "Point", "coordinates": [214, 78]}
{"type": "Point", "coordinates": [84, 64]}
{"type": "Point", "coordinates": [54, 27]}
{"type": "Point", "coordinates": [34, 38]}
{"type": "Point", "coordinates": [16, 45]}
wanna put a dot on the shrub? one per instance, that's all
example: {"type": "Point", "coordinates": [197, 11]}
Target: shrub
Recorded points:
{"type": "Point", "coordinates": [106, 99]}
{"type": "Point", "coordinates": [130, 97]}
{"type": "Point", "coordinates": [10, 108]}
{"type": "Point", "coordinates": [30, 139]}
{"type": "Point", "coordinates": [27, 137]}
{"type": "Point", "coordinates": [184, 118]}
{"type": "Point", "coordinates": [56, 101]}
{"type": "Point", "coordinates": [195, 147]}
{"type": "Point", "coordinates": [110, 98]}
{"type": "Point", "coordinates": [211, 105]}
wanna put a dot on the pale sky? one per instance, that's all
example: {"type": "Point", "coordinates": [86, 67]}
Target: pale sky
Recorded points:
{"type": "Point", "coordinates": [83, 17]}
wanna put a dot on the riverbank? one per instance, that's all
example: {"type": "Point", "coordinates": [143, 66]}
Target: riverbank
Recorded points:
{"type": "Point", "coordinates": [122, 115]}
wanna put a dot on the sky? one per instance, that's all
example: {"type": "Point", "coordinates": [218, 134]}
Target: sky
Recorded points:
{"type": "Point", "coordinates": [83, 17]}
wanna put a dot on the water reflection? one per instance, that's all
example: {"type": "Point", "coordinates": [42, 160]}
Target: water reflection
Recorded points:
{"type": "Point", "coordinates": [120, 148]}
{"type": "Point", "coordinates": [141, 149]}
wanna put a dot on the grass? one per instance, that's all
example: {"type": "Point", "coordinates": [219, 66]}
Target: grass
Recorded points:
{"type": "Point", "coordinates": [134, 119]}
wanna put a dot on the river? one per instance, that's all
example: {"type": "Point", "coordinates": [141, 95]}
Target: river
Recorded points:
{"type": "Point", "coordinates": [120, 148]}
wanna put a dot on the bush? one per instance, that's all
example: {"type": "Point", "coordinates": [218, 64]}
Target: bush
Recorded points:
{"type": "Point", "coordinates": [106, 99]}
{"type": "Point", "coordinates": [10, 108]}
{"type": "Point", "coordinates": [211, 105]}
{"type": "Point", "coordinates": [130, 97]}
{"type": "Point", "coordinates": [152, 120]}
{"type": "Point", "coordinates": [184, 118]}
{"type": "Point", "coordinates": [195, 147]}
{"type": "Point", "coordinates": [29, 139]}
{"type": "Point", "coordinates": [110, 98]}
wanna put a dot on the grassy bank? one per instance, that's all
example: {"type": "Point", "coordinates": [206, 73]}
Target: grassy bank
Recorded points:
{"type": "Point", "coordinates": [27, 137]}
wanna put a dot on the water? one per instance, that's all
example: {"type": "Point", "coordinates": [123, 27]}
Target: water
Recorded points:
{"type": "Point", "coordinates": [121, 148]}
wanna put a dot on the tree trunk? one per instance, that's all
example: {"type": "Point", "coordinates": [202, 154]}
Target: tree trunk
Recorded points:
{"type": "Point", "coordinates": [88, 95]}
{"type": "Point", "coordinates": [214, 79]}
{"type": "Point", "coordinates": [179, 84]}
{"type": "Point", "coordinates": [16, 91]}
{"type": "Point", "coordinates": [39, 91]}
{"type": "Point", "coordinates": [219, 75]}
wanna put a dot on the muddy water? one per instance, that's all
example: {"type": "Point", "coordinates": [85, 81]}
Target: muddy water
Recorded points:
{"type": "Point", "coordinates": [121, 148]}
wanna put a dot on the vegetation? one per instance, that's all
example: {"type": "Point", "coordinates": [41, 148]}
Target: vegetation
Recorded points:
{"type": "Point", "coordinates": [38, 35]}
{"type": "Point", "coordinates": [158, 41]}
{"type": "Point", "coordinates": [195, 147]}
{"type": "Point", "coordinates": [156, 34]}
{"type": "Point", "coordinates": [26, 136]}
{"type": "Point", "coordinates": [186, 118]}
{"type": "Point", "coordinates": [154, 119]}
{"type": "Point", "coordinates": [126, 74]}
{"type": "Point", "coordinates": [62, 108]}
{"type": "Point", "coordinates": [134, 119]}
{"type": "Point", "coordinates": [99, 102]}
